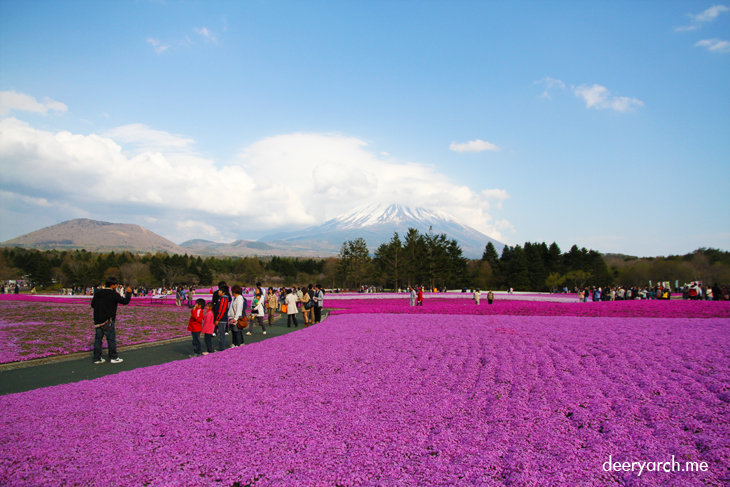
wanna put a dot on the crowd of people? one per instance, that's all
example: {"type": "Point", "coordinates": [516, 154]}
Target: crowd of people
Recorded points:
{"type": "Point", "coordinates": [706, 293]}
{"type": "Point", "coordinates": [10, 288]}
{"type": "Point", "coordinates": [620, 293]}
{"type": "Point", "coordinates": [228, 314]}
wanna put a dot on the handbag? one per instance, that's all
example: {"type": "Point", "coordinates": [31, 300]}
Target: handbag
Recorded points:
{"type": "Point", "coordinates": [242, 323]}
{"type": "Point", "coordinates": [284, 308]}
{"type": "Point", "coordinates": [309, 304]}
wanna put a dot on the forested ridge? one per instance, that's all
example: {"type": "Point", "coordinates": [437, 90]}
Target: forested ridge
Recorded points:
{"type": "Point", "coordinates": [425, 259]}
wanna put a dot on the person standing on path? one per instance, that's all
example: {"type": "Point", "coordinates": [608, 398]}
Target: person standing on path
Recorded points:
{"type": "Point", "coordinates": [490, 297]}
{"type": "Point", "coordinates": [105, 303]}
{"type": "Point", "coordinates": [318, 303]}
{"type": "Point", "coordinates": [477, 296]}
{"type": "Point", "coordinates": [414, 296]}
{"type": "Point", "coordinates": [208, 328]}
{"type": "Point", "coordinates": [257, 313]}
{"type": "Point", "coordinates": [272, 303]}
{"type": "Point", "coordinates": [420, 296]}
{"type": "Point", "coordinates": [291, 308]}
{"type": "Point", "coordinates": [221, 302]}
{"type": "Point", "coordinates": [307, 305]}
{"type": "Point", "coordinates": [236, 311]}
{"type": "Point", "coordinates": [195, 325]}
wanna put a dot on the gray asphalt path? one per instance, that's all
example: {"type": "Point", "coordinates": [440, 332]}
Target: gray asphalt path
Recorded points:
{"type": "Point", "coordinates": [26, 376]}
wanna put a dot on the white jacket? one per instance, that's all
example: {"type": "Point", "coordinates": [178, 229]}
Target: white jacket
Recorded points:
{"type": "Point", "coordinates": [236, 309]}
{"type": "Point", "coordinates": [291, 304]}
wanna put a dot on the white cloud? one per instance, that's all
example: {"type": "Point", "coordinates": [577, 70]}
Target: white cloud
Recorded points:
{"type": "Point", "coordinates": [207, 34]}
{"type": "Point", "coordinates": [714, 45]}
{"type": "Point", "coordinates": [599, 97]}
{"type": "Point", "coordinates": [710, 14]}
{"type": "Point", "coordinates": [148, 139]}
{"type": "Point", "coordinates": [157, 45]}
{"type": "Point", "coordinates": [477, 145]}
{"type": "Point", "coordinates": [705, 17]}
{"type": "Point", "coordinates": [198, 229]}
{"type": "Point", "coordinates": [549, 84]}
{"type": "Point", "coordinates": [278, 183]}
{"type": "Point", "coordinates": [12, 100]}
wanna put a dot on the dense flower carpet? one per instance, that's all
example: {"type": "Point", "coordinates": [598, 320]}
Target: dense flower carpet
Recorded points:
{"type": "Point", "coordinates": [535, 394]}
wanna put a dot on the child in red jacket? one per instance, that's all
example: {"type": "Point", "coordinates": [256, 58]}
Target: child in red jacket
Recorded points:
{"type": "Point", "coordinates": [208, 328]}
{"type": "Point", "coordinates": [195, 325]}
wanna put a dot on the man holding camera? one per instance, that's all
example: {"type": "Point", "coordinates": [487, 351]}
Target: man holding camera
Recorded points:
{"type": "Point", "coordinates": [105, 303]}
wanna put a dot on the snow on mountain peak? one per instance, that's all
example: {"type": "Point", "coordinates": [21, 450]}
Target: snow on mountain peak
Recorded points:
{"type": "Point", "coordinates": [378, 213]}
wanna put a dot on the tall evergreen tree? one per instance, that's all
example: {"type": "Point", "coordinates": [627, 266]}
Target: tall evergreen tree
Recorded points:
{"type": "Point", "coordinates": [389, 260]}
{"type": "Point", "coordinates": [518, 273]}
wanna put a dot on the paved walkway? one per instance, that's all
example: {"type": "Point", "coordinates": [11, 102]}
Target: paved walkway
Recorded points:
{"type": "Point", "coordinates": [52, 371]}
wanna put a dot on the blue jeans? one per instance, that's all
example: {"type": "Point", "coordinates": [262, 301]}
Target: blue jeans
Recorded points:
{"type": "Point", "coordinates": [111, 341]}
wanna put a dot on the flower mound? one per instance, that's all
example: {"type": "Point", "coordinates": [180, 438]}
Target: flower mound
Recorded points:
{"type": "Point", "coordinates": [30, 330]}
{"type": "Point", "coordinates": [464, 306]}
{"type": "Point", "coordinates": [372, 399]}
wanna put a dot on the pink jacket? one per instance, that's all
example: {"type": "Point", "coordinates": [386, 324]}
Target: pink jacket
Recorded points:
{"type": "Point", "coordinates": [208, 323]}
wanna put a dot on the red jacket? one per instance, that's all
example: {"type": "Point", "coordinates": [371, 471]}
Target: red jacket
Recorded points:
{"type": "Point", "coordinates": [196, 320]}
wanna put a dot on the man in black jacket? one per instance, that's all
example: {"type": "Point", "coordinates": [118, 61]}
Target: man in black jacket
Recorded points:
{"type": "Point", "coordinates": [105, 303]}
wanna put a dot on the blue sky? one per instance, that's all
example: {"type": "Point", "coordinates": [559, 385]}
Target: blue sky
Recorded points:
{"type": "Point", "coordinates": [605, 124]}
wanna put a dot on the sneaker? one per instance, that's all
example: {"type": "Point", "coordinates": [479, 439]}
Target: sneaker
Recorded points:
{"type": "Point", "coordinates": [205, 353]}
{"type": "Point", "coordinates": [116, 360]}
{"type": "Point", "coordinates": [248, 333]}
{"type": "Point", "coordinates": [264, 333]}
{"type": "Point", "coordinates": [100, 361]}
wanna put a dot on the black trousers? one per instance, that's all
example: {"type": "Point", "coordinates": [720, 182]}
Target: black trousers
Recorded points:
{"type": "Point", "coordinates": [196, 342]}
{"type": "Point", "coordinates": [317, 314]}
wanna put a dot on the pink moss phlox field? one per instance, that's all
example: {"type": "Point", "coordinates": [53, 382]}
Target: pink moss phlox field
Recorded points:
{"type": "Point", "coordinates": [135, 301]}
{"type": "Point", "coordinates": [627, 309]}
{"type": "Point", "coordinates": [386, 399]}
{"type": "Point", "coordinates": [30, 330]}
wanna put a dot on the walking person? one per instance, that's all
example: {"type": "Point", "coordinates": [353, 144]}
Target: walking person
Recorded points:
{"type": "Point", "coordinates": [236, 311]}
{"type": "Point", "coordinates": [477, 296]}
{"type": "Point", "coordinates": [420, 296]}
{"type": "Point", "coordinates": [105, 303]}
{"type": "Point", "coordinates": [195, 325]}
{"type": "Point", "coordinates": [414, 296]}
{"type": "Point", "coordinates": [272, 304]}
{"type": "Point", "coordinates": [490, 297]}
{"type": "Point", "coordinates": [291, 308]}
{"type": "Point", "coordinates": [221, 302]}
{"type": "Point", "coordinates": [257, 313]}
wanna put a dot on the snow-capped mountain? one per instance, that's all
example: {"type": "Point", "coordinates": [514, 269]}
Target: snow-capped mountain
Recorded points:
{"type": "Point", "coordinates": [376, 224]}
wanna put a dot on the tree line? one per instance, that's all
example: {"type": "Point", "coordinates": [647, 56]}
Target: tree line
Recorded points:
{"type": "Point", "coordinates": [416, 259]}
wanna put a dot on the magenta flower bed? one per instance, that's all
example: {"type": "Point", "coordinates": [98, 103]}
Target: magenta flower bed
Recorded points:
{"type": "Point", "coordinates": [136, 301]}
{"type": "Point", "coordinates": [30, 330]}
{"type": "Point", "coordinates": [396, 400]}
{"type": "Point", "coordinates": [628, 309]}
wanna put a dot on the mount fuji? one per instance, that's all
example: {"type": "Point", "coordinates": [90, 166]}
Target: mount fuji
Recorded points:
{"type": "Point", "coordinates": [376, 224]}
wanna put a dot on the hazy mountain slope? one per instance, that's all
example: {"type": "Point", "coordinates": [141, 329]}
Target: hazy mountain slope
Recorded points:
{"type": "Point", "coordinates": [95, 236]}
